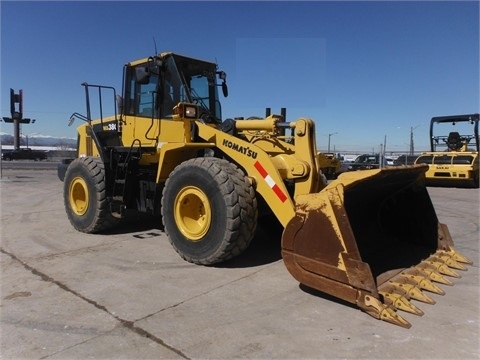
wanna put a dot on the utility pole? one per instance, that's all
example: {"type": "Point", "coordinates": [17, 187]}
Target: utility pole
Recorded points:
{"type": "Point", "coordinates": [411, 141]}
{"type": "Point", "coordinates": [412, 149]}
{"type": "Point", "coordinates": [383, 149]}
{"type": "Point", "coordinates": [17, 116]}
{"type": "Point", "coordinates": [329, 136]}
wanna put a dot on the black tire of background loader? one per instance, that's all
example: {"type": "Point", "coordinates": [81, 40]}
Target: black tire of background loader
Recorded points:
{"type": "Point", "coordinates": [98, 217]}
{"type": "Point", "coordinates": [233, 204]}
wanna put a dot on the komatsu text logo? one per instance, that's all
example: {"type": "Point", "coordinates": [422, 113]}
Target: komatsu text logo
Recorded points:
{"type": "Point", "coordinates": [241, 149]}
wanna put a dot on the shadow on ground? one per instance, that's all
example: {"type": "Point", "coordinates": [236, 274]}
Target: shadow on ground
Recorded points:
{"type": "Point", "coordinates": [264, 248]}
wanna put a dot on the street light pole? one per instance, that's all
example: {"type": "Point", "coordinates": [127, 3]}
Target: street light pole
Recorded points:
{"type": "Point", "coordinates": [329, 136]}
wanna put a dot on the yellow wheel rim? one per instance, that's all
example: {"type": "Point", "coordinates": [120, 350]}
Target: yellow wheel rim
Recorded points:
{"type": "Point", "coordinates": [78, 196]}
{"type": "Point", "coordinates": [192, 212]}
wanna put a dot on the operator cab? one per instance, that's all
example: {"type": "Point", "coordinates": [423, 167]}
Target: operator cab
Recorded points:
{"type": "Point", "coordinates": [154, 86]}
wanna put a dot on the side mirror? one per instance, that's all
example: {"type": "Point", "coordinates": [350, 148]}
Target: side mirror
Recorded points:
{"type": "Point", "coordinates": [154, 65]}
{"type": "Point", "coordinates": [223, 76]}
{"type": "Point", "coordinates": [142, 75]}
{"type": "Point", "coordinates": [224, 89]}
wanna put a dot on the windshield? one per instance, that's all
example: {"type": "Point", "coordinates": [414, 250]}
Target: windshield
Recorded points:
{"type": "Point", "coordinates": [192, 81]}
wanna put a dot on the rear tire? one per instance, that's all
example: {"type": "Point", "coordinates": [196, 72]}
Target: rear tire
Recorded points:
{"type": "Point", "coordinates": [84, 193]}
{"type": "Point", "coordinates": [209, 210]}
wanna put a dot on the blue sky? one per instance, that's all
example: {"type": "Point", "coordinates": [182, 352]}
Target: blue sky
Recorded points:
{"type": "Point", "coordinates": [361, 70]}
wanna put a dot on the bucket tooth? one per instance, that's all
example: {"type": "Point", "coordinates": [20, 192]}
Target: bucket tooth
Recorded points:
{"type": "Point", "coordinates": [397, 297]}
{"type": "Point", "coordinates": [442, 268]}
{"type": "Point", "coordinates": [433, 274]}
{"type": "Point", "coordinates": [389, 315]}
{"type": "Point", "coordinates": [424, 283]}
{"type": "Point", "coordinates": [449, 261]}
{"type": "Point", "coordinates": [413, 292]}
{"type": "Point", "coordinates": [404, 280]}
{"type": "Point", "coordinates": [455, 255]}
{"type": "Point", "coordinates": [400, 302]}
{"type": "Point", "coordinates": [378, 310]}
{"type": "Point", "coordinates": [391, 288]}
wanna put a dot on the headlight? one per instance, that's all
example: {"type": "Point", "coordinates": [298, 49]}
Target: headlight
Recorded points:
{"type": "Point", "coordinates": [190, 112]}
{"type": "Point", "coordinates": [185, 111]}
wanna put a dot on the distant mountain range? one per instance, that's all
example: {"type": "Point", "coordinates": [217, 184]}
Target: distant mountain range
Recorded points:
{"type": "Point", "coordinates": [40, 140]}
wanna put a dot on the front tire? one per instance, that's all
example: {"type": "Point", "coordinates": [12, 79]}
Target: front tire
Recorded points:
{"type": "Point", "coordinates": [84, 193]}
{"type": "Point", "coordinates": [209, 210]}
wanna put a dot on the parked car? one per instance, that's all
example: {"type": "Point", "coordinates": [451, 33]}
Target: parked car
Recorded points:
{"type": "Point", "coordinates": [364, 162]}
{"type": "Point", "coordinates": [24, 154]}
{"type": "Point", "coordinates": [367, 162]}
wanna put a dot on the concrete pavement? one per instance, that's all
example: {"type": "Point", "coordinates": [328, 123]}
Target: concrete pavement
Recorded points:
{"type": "Point", "coordinates": [128, 295]}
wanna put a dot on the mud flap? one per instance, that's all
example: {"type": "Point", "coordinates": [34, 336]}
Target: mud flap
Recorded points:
{"type": "Point", "coordinates": [371, 238]}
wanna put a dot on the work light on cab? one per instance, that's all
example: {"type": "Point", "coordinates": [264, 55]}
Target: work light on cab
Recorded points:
{"type": "Point", "coordinates": [187, 111]}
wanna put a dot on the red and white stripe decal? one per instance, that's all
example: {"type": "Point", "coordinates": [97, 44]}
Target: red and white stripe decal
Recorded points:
{"type": "Point", "coordinates": [270, 182]}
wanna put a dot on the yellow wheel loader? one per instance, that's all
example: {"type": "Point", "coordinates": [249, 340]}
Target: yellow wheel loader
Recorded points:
{"type": "Point", "coordinates": [167, 151]}
{"type": "Point", "coordinates": [453, 159]}
{"type": "Point", "coordinates": [329, 164]}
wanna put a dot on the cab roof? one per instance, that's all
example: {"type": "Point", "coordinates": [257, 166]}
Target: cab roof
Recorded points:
{"type": "Point", "coordinates": [455, 118]}
{"type": "Point", "coordinates": [167, 54]}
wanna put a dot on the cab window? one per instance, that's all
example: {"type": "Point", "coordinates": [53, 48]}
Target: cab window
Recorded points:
{"type": "Point", "coordinates": [463, 160]}
{"type": "Point", "coordinates": [442, 160]}
{"type": "Point", "coordinates": [140, 99]}
{"type": "Point", "coordinates": [424, 159]}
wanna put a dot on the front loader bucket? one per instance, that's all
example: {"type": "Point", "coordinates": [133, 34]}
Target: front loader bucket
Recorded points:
{"type": "Point", "coordinates": [372, 238]}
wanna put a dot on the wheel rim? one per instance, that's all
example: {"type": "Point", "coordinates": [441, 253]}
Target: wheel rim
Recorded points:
{"type": "Point", "coordinates": [78, 196]}
{"type": "Point", "coordinates": [192, 213]}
